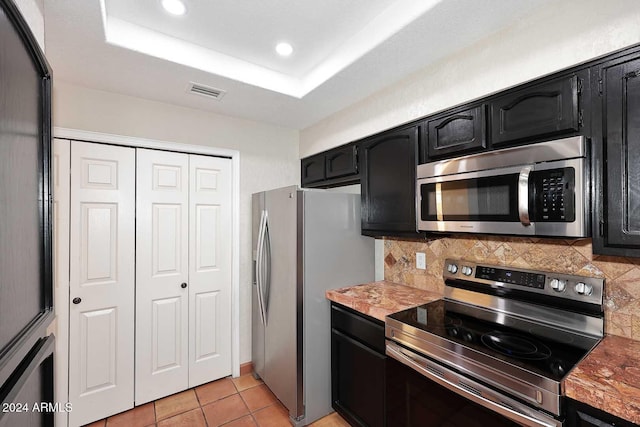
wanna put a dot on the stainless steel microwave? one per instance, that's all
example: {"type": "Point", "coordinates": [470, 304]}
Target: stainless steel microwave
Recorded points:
{"type": "Point", "coordinates": [534, 190]}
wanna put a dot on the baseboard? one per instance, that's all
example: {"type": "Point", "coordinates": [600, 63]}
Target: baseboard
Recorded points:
{"type": "Point", "coordinates": [246, 368]}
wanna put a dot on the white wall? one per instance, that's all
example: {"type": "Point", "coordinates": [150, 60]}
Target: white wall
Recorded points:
{"type": "Point", "coordinates": [33, 13]}
{"type": "Point", "coordinates": [564, 33]}
{"type": "Point", "coordinates": [268, 154]}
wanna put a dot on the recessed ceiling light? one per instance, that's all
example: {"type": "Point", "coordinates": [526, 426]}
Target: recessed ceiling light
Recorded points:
{"type": "Point", "coordinates": [284, 49]}
{"type": "Point", "coordinates": [174, 7]}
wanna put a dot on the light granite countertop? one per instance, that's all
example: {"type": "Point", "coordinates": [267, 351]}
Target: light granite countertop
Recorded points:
{"type": "Point", "coordinates": [378, 299]}
{"type": "Point", "coordinates": [609, 378]}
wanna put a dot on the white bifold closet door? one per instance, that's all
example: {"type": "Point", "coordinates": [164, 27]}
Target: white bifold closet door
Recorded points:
{"type": "Point", "coordinates": [183, 272]}
{"type": "Point", "coordinates": [101, 281]}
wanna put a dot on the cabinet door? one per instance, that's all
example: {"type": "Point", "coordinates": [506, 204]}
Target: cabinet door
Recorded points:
{"type": "Point", "coordinates": [543, 109]}
{"type": "Point", "coordinates": [457, 133]}
{"type": "Point", "coordinates": [162, 304]}
{"type": "Point", "coordinates": [341, 161]}
{"type": "Point", "coordinates": [101, 281]}
{"type": "Point", "coordinates": [617, 160]}
{"type": "Point", "coordinates": [582, 415]}
{"type": "Point", "coordinates": [357, 385]}
{"type": "Point", "coordinates": [313, 169]}
{"type": "Point", "coordinates": [388, 178]}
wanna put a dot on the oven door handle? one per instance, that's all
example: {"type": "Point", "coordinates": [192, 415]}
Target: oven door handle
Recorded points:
{"type": "Point", "coordinates": [523, 195]}
{"type": "Point", "coordinates": [465, 387]}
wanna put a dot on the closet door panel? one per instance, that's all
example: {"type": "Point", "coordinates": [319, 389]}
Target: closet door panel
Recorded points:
{"type": "Point", "coordinates": [162, 274]}
{"type": "Point", "coordinates": [209, 269]}
{"type": "Point", "coordinates": [101, 279]}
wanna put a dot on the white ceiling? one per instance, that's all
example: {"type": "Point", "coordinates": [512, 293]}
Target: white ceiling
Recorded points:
{"type": "Point", "coordinates": [344, 51]}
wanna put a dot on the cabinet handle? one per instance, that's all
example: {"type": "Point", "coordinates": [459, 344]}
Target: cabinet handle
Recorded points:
{"type": "Point", "coordinates": [77, 300]}
{"type": "Point", "coordinates": [183, 285]}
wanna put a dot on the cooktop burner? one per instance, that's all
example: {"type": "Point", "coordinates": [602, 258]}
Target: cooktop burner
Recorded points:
{"type": "Point", "coordinates": [534, 349]}
{"type": "Point", "coordinates": [516, 346]}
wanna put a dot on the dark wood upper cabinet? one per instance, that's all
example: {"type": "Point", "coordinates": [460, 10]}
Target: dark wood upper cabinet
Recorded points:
{"type": "Point", "coordinates": [388, 181]}
{"type": "Point", "coordinates": [537, 110]}
{"type": "Point", "coordinates": [616, 143]}
{"type": "Point", "coordinates": [457, 133]}
{"type": "Point", "coordinates": [313, 169]}
{"type": "Point", "coordinates": [342, 161]}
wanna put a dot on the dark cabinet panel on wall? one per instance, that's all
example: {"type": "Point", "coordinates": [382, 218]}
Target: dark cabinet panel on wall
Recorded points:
{"type": "Point", "coordinates": [313, 169]}
{"type": "Point", "coordinates": [616, 166]}
{"type": "Point", "coordinates": [388, 180]}
{"type": "Point", "coordinates": [457, 133]}
{"type": "Point", "coordinates": [357, 367]}
{"type": "Point", "coordinates": [547, 108]}
{"type": "Point", "coordinates": [332, 168]}
{"type": "Point", "coordinates": [342, 161]}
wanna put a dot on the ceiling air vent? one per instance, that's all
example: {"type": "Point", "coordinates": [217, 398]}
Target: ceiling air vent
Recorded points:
{"type": "Point", "coordinates": [202, 90]}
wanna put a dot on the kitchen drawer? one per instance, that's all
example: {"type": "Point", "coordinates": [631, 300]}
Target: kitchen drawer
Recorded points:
{"type": "Point", "coordinates": [548, 108]}
{"type": "Point", "coordinates": [368, 332]}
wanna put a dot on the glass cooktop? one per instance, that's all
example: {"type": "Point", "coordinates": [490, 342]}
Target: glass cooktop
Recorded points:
{"type": "Point", "coordinates": [538, 348]}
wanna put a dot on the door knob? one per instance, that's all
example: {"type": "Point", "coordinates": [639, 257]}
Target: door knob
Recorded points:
{"type": "Point", "coordinates": [77, 300]}
{"type": "Point", "coordinates": [183, 285]}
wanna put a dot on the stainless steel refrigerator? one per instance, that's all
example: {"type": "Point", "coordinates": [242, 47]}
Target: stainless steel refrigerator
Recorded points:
{"type": "Point", "coordinates": [304, 242]}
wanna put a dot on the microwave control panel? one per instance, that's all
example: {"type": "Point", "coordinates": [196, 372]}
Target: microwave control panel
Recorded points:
{"type": "Point", "coordinates": [553, 195]}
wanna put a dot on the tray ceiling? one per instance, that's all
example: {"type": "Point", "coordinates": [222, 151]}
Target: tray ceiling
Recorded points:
{"type": "Point", "coordinates": [343, 50]}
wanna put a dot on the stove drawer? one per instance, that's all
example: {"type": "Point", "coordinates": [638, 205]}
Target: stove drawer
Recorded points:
{"type": "Point", "coordinates": [421, 392]}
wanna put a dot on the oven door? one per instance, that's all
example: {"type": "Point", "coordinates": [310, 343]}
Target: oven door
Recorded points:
{"type": "Point", "coordinates": [490, 201]}
{"type": "Point", "coordinates": [421, 392]}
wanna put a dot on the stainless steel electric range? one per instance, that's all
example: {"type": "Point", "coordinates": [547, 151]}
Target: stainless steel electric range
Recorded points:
{"type": "Point", "coordinates": [494, 351]}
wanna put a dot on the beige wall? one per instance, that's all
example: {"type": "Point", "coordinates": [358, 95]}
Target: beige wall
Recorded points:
{"type": "Point", "coordinates": [33, 13]}
{"type": "Point", "coordinates": [268, 154]}
{"type": "Point", "coordinates": [562, 34]}
{"type": "Point", "coordinates": [622, 275]}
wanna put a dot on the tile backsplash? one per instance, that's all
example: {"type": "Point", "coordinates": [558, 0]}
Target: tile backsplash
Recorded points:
{"type": "Point", "coordinates": [622, 284]}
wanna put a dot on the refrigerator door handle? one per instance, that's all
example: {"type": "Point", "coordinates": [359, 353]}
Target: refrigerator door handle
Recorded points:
{"type": "Point", "coordinates": [260, 265]}
{"type": "Point", "coordinates": [267, 270]}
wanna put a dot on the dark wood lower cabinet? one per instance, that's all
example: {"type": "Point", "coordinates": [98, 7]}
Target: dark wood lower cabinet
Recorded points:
{"type": "Point", "coordinates": [357, 367]}
{"type": "Point", "coordinates": [582, 415]}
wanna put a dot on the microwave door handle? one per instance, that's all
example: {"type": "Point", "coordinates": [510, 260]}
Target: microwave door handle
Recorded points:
{"type": "Point", "coordinates": [523, 196]}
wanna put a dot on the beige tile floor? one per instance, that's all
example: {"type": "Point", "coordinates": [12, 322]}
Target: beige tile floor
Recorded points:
{"type": "Point", "coordinates": [229, 402]}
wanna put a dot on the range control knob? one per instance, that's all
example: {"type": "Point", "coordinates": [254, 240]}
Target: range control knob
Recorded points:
{"type": "Point", "coordinates": [467, 270]}
{"type": "Point", "coordinates": [452, 268]}
{"type": "Point", "coordinates": [583, 288]}
{"type": "Point", "coordinates": [558, 285]}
